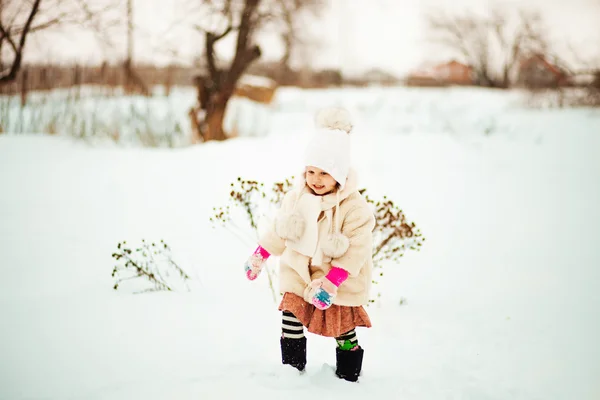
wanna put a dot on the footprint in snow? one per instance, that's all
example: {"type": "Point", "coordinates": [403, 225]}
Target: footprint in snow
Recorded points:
{"type": "Point", "coordinates": [282, 377]}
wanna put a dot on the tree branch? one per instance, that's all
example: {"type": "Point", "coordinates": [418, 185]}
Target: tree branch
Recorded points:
{"type": "Point", "coordinates": [211, 40]}
{"type": "Point", "coordinates": [457, 39]}
{"type": "Point", "coordinates": [16, 65]}
{"type": "Point", "coordinates": [44, 25]}
{"type": "Point", "coordinates": [225, 33]}
{"type": "Point", "coordinates": [210, 56]}
{"type": "Point", "coordinates": [6, 35]}
{"type": "Point", "coordinates": [98, 28]}
{"type": "Point", "coordinates": [244, 55]}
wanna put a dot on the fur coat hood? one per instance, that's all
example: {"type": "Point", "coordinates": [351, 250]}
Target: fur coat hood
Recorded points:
{"type": "Point", "coordinates": [312, 227]}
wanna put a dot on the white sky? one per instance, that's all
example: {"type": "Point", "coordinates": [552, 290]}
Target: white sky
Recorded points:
{"type": "Point", "coordinates": [355, 35]}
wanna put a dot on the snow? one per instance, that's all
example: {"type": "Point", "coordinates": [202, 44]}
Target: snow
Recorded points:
{"type": "Point", "coordinates": [501, 303]}
{"type": "Point", "coordinates": [259, 81]}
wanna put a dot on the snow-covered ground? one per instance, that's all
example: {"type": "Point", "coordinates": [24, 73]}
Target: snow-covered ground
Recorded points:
{"type": "Point", "coordinates": [501, 303]}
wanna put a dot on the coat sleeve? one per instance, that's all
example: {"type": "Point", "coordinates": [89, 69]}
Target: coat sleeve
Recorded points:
{"type": "Point", "coordinates": [270, 240]}
{"type": "Point", "coordinates": [357, 226]}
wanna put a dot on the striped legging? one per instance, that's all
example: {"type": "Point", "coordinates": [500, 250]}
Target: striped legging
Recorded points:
{"type": "Point", "coordinates": [292, 328]}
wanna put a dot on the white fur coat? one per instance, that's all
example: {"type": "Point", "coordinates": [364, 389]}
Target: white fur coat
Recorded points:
{"type": "Point", "coordinates": [312, 233]}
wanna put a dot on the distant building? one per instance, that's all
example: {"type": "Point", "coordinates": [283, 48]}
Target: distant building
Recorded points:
{"type": "Point", "coordinates": [380, 77]}
{"type": "Point", "coordinates": [423, 78]}
{"type": "Point", "coordinates": [454, 73]}
{"type": "Point", "coordinates": [537, 72]}
{"type": "Point", "coordinates": [446, 74]}
{"type": "Point", "coordinates": [327, 78]}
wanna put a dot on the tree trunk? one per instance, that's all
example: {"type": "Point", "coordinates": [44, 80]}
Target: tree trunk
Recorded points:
{"type": "Point", "coordinates": [129, 85]}
{"type": "Point", "coordinates": [218, 87]}
{"type": "Point", "coordinates": [506, 77]}
{"type": "Point", "coordinates": [2, 87]}
{"type": "Point", "coordinates": [133, 82]}
{"type": "Point", "coordinates": [215, 116]}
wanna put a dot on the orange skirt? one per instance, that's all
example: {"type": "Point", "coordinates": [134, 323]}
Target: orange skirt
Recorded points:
{"type": "Point", "coordinates": [333, 322]}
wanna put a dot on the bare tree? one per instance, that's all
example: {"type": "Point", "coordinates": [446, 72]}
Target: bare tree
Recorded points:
{"type": "Point", "coordinates": [244, 18]}
{"type": "Point", "coordinates": [292, 27]}
{"type": "Point", "coordinates": [586, 77]}
{"type": "Point", "coordinates": [15, 33]}
{"type": "Point", "coordinates": [20, 19]}
{"type": "Point", "coordinates": [1, 41]}
{"type": "Point", "coordinates": [491, 44]}
{"type": "Point", "coordinates": [219, 85]}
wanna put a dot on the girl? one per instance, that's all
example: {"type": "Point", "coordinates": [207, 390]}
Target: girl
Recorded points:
{"type": "Point", "coordinates": [323, 233]}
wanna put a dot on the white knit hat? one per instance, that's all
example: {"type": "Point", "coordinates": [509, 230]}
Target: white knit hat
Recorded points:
{"type": "Point", "coordinates": [329, 147]}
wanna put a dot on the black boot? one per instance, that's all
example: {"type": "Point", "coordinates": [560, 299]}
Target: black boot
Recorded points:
{"type": "Point", "coordinates": [293, 352]}
{"type": "Point", "coordinates": [349, 363]}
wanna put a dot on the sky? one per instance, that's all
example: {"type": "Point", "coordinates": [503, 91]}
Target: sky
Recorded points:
{"type": "Point", "coordinates": [353, 35]}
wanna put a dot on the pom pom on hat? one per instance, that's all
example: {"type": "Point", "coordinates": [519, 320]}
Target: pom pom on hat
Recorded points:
{"type": "Point", "coordinates": [334, 118]}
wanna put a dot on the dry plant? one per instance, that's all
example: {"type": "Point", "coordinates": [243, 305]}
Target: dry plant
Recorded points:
{"type": "Point", "coordinates": [93, 119]}
{"type": "Point", "coordinates": [393, 234]}
{"type": "Point", "coordinates": [250, 197]}
{"type": "Point", "coordinates": [151, 264]}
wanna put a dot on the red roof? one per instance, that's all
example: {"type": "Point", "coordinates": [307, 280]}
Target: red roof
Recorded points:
{"type": "Point", "coordinates": [541, 59]}
{"type": "Point", "coordinates": [453, 62]}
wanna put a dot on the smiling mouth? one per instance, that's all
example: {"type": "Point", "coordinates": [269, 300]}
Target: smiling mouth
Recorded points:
{"type": "Point", "coordinates": [319, 187]}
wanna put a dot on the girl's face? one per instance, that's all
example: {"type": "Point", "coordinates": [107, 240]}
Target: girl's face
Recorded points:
{"type": "Point", "coordinates": [319, 181]}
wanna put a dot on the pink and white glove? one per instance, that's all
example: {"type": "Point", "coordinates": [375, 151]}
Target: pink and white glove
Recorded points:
{"type": "Point", "coordinates": [255, 263]}
{"type": "Point", "coordinates": [321, 292]}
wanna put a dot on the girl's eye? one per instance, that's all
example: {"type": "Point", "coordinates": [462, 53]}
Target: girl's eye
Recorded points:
{"type": "Point", "coordinates": [311, 172]}
{"type": "Point", "coordinates": [324, 173]}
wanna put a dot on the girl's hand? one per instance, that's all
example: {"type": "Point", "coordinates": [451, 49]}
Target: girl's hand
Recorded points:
{"type": "Point", "coordinates": [321, 292]}
{"type": "Point", "coordinates": [255, 263]}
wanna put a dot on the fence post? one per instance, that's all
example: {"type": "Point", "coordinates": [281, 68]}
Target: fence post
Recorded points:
{"type": "Point", "coordinates": [169, 80]}
{"type": "Point", "coordinates": [24, 86]}
{"type": "Point", "coordinates": [77, 81]}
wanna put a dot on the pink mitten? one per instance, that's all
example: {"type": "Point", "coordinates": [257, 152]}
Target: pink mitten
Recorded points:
{"type": "Point", "coordinates": [255, 263]}
{"type": "Point", "coordinates": [322, 291]}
